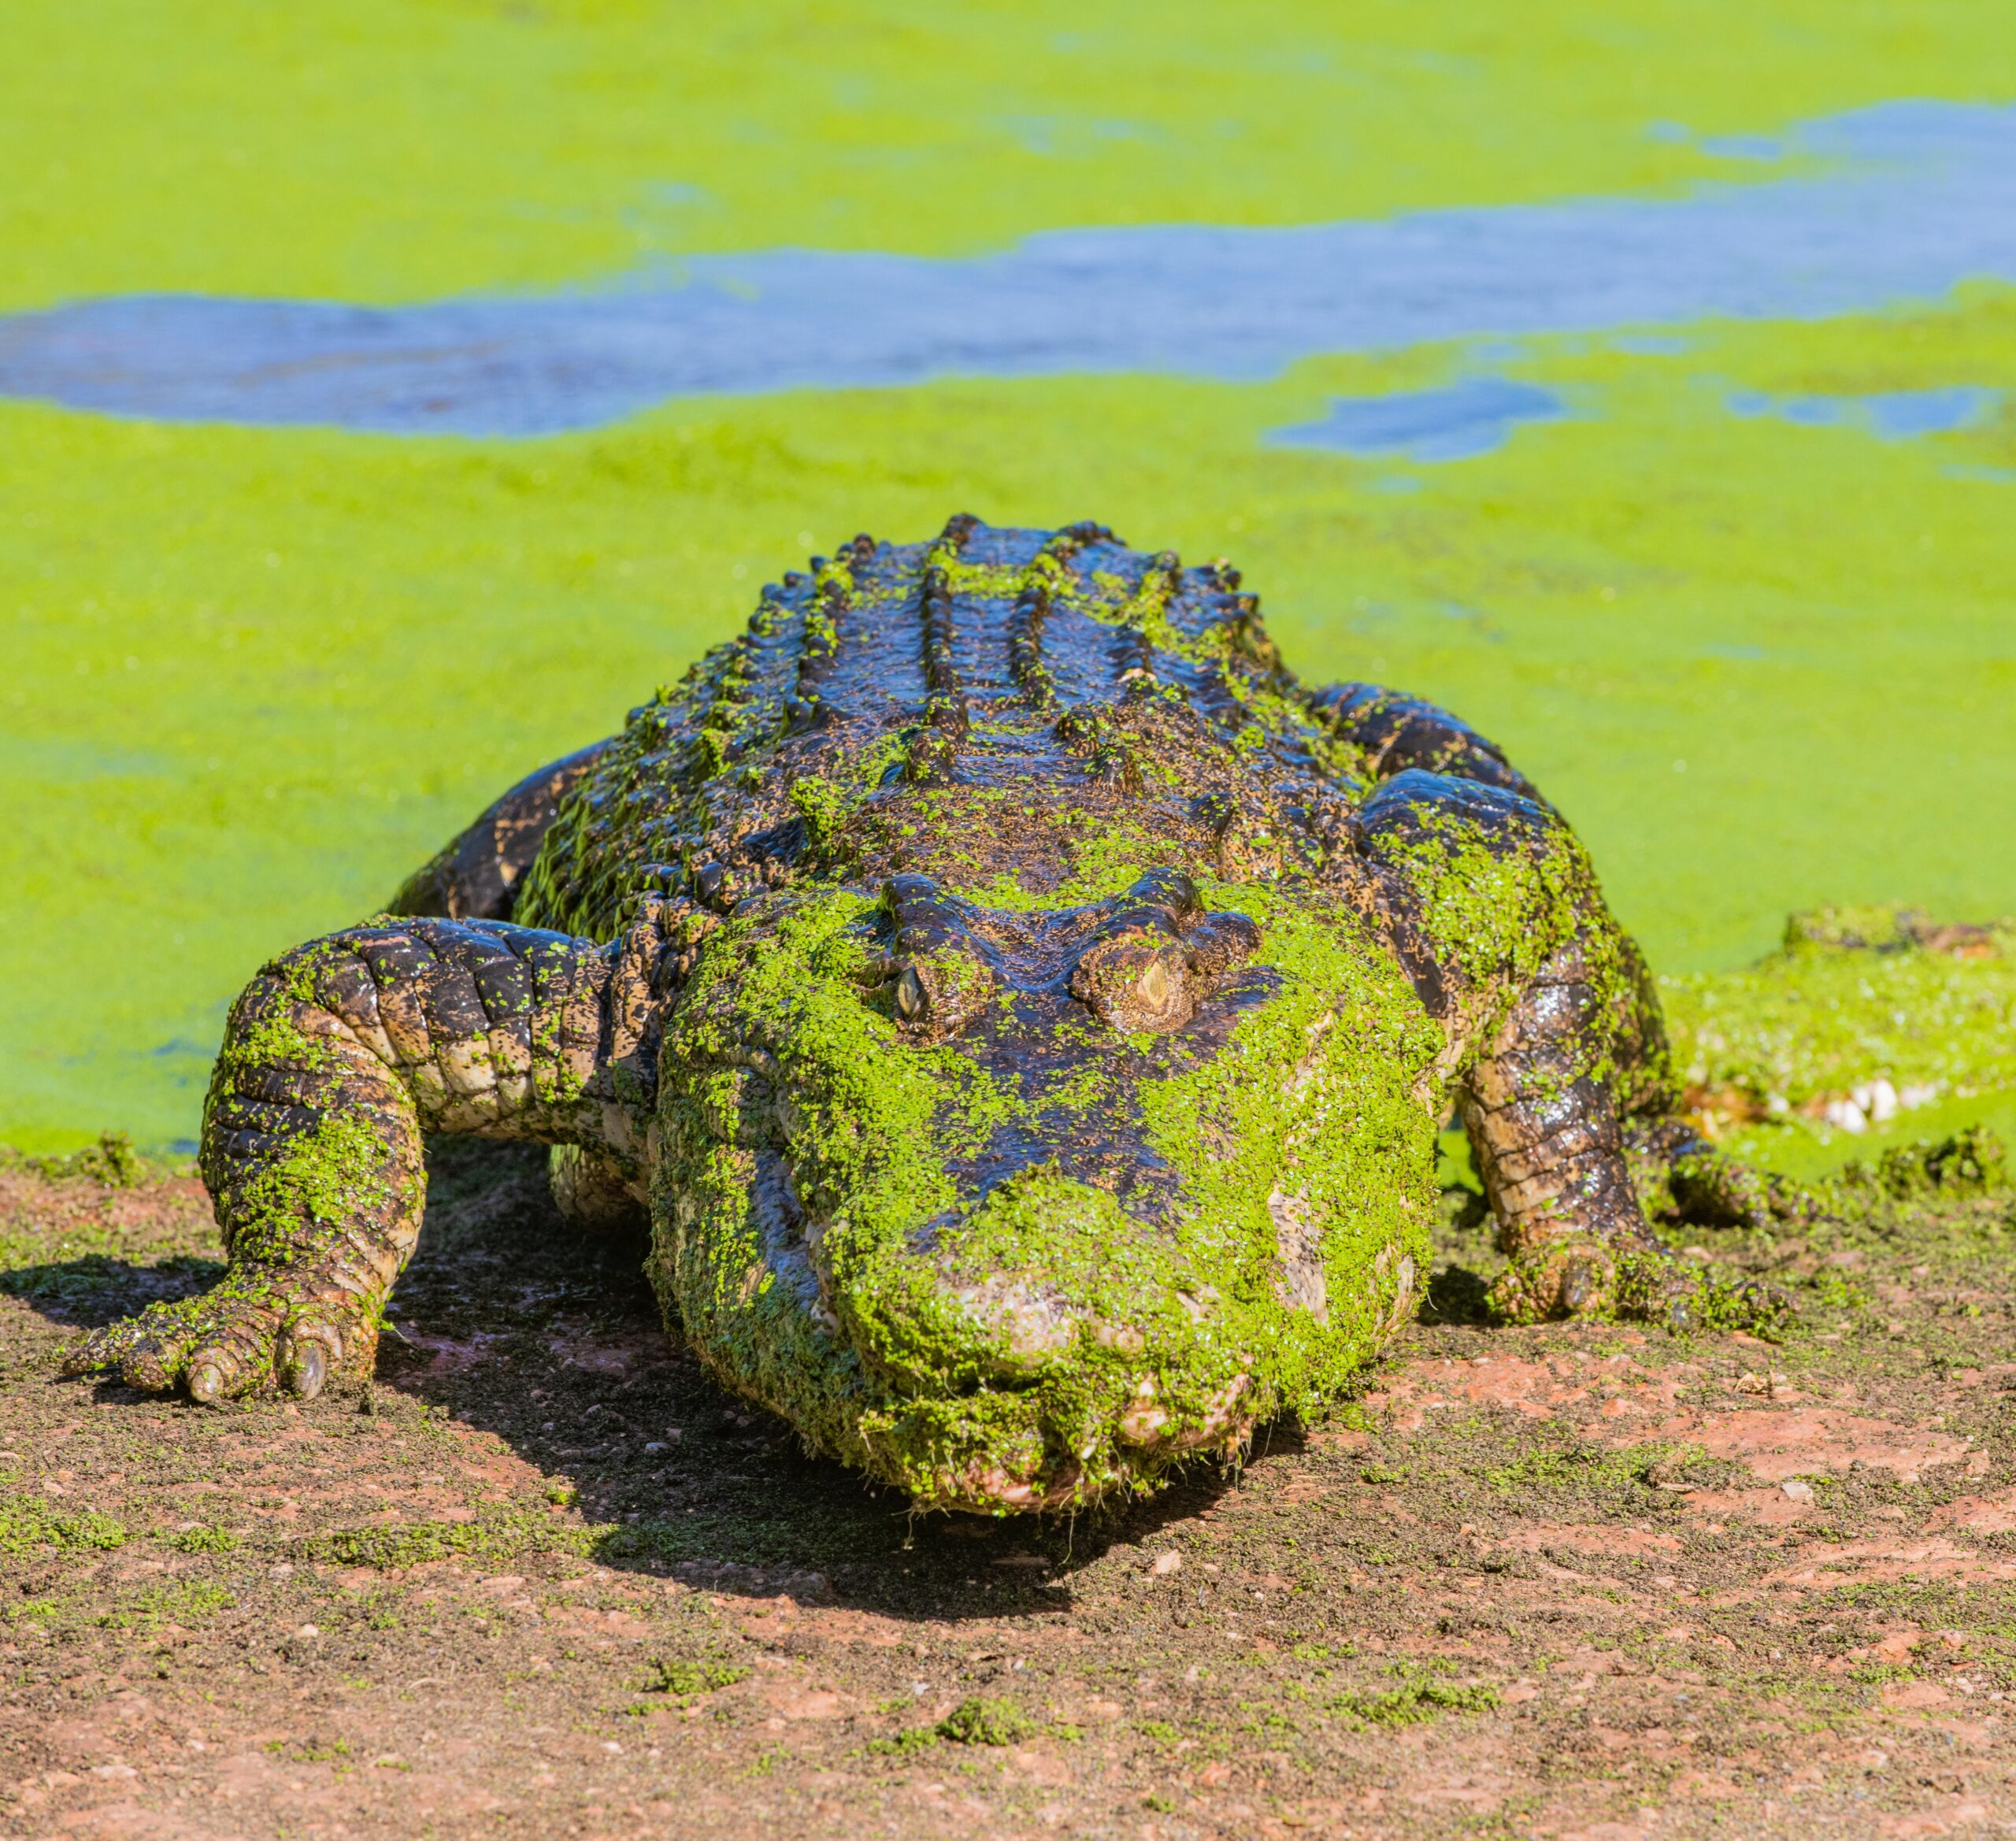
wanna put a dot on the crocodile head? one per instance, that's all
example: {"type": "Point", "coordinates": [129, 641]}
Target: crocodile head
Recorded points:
{"type": "Point", "coordinates": [1016, 1206]}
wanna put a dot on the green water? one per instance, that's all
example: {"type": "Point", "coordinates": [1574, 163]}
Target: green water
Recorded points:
{"type": "Point", "coordinates": [253, 677]}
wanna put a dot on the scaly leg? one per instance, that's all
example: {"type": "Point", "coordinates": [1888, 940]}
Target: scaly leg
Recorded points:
{"type": "Point", "coordinates": [1395, 732]}
{"type": "Point", "coordinates": [1678, 1176]}
{"type": "Point", "coordinates": [1556, 1047]}
{"type": "Point", "coordinates": [477, 876]}
{"type": "Point", "coordinates": [1544, 1129]}
{"type": "Point", "coordinates": [474, 876]}
{"type": "Point", "coordinates": [337, 1057]}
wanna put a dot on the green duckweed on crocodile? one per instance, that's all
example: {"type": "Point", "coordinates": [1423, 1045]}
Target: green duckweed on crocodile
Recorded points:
{"type": "Point", "coordinates": [1022, 1012]}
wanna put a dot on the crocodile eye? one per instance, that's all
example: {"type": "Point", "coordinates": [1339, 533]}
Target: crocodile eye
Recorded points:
{"type": "Point", "coordinates": [1160, 959]}
{"type": "Point", "coordinates": [939, 994]}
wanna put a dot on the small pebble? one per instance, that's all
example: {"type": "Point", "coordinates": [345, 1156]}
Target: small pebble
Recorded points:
{"type": "Point", "coordinates": [1799, 1492]}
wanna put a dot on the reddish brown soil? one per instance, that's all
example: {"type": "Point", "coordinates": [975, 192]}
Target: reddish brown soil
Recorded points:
{"type": "Point", "coordinates": [1546, 1582]}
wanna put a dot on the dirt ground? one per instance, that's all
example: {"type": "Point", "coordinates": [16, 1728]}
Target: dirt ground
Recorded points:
{"type": "Point", "coordinates": [546, 1580]}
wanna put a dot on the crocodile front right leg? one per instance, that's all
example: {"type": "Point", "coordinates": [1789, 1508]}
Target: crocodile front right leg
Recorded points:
{"type": "Point", "coordinates": [337, 1058]}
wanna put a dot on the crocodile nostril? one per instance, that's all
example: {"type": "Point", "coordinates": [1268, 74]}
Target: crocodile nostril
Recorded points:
{"type": "Point", "coordinates": [1135, 981]}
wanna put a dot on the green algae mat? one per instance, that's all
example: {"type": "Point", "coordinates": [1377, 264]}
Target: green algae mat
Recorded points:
{"type": "Point", "coordinates": [1736, 597]}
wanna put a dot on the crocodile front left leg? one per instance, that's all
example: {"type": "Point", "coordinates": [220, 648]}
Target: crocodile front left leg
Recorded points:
{"type": "Point", "coordinates": [337, 1058]}
{"type": "Point", "coordinates": [1556, 1046]}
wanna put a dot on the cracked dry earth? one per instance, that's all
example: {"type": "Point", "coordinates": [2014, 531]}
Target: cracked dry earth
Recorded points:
{"type": "Point", "coordinates": [545, 1580]}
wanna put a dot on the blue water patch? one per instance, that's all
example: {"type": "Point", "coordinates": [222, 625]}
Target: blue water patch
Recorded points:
{"type": "Point", "coordinates": [1910, 198]}
{"type": "Point", "coordinates": [1894, 414]}
{"type": "Point", "coordinates": [1455, 422]}
{"type": "Point", "coordinates": [1743, 146]}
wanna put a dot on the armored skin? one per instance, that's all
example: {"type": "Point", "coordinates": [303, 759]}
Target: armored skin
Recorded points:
{"type": "Point", "coordinates": [1024, 1012]}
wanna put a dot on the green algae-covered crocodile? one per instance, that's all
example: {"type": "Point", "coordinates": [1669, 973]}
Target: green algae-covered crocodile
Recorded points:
{"type": "Point", "coordinates": [1024, 1012]}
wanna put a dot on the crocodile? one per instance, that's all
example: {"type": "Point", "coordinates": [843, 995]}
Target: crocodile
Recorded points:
{"type": "Point", "coordinates": [1021, 1013]}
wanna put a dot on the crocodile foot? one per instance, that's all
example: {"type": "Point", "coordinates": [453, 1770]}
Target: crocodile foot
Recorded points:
{"type": "Point", "coordinates": [1588, 1277]}
{"type": "Point", "coordinates": [257, 1332]}
{"type": "Point", "coordinates": [1681, 1179]}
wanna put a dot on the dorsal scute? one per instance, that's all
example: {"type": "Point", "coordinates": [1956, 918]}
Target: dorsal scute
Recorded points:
{"type": "Point", "coordinates": [1062, 663]}
{"type": "Point", "coordinates": [1017, 626]}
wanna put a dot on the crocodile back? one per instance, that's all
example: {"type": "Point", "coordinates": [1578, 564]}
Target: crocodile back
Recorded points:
{"type": "Point", "coordinates": [987, 704]}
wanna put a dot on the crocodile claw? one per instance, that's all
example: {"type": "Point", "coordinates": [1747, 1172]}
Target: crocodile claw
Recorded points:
{"type": "Point", "coordinates": [1643, 1282]}
{"type": "Point", "coordinates": [206, 1383]}
{"type": "Point", "coordinates": [1581, 1283]}
{"type": "Point", "coordinates": [302, 1363]}
{"type": "Point", "coordinates": [222, 1346]}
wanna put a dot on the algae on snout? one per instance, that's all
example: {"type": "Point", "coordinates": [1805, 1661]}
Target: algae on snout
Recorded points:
{"type": "Point", "coordinates": [1030, 1342]}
